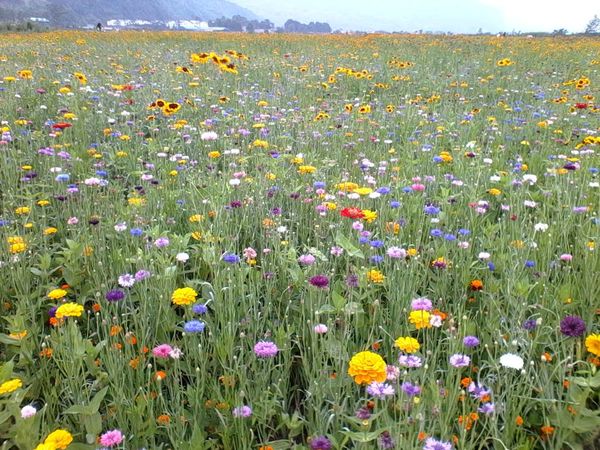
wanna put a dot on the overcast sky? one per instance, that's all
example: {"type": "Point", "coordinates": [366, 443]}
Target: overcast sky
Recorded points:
{"type": "Point", "coordinates": [432, 15]}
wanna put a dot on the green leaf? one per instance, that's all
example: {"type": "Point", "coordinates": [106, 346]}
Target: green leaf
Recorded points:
{"type": "Point", "coordinates": [348, 246]}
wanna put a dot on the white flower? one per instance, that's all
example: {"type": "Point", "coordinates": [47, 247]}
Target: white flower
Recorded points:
{"type": "Point", "coordinates": [176, 353]}
{"type": "Point", "coordinates": [484, 255]}
{"type": "Point", "coordinates": [282, 229]}
{"type": "Point", "coordinates": [530, 203]}
{"type": "Point", "coordinates": [182, 257]}
{"type": "Point", "coordinates": [209, 136]}
{"type": "Point", "coordinates": [512, 361]}
{"type": "Point", "coordinates": [28, 411]}
{"type": "Point", "coordinates": [540, 227]}
{"type": "Point", "coordinates": [121, 226]}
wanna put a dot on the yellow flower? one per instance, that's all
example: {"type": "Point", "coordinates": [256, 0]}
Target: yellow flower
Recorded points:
{"type": "Point", "coordinates": [366, 367]}
{"type": "Point", "coordinates": [260, 144]}
{"type": "Point", "coordinates": [25, 74]}
{"type": "Point", "coordinates": [306, 169]}
{"type": "Point", "coordinates": [19, 247]}
{"type": "Point", "coordinates": [184, 296]}
{"type": "Point", "coordinates": [197, 235]}
{"type": "Point", "coordinates": [59, 438]}
{"type": "Point", "coordinates": [21, 210]}
{"type": "Point", "coordinates": [494, 191]}
{"type": "Point", "coordinates": [369, 215]}
{"type": "Point", "coordinates": [375, 276]}
{"type": "Point", "coordinates": [55, 294]}
{"type": "Point", "coordinates": [420, 319]}
{"type": "Point", "coordinates": [69, 310]}
{"type": "Point", "coordinates": [10, 386]}
{"type": "Point", "coordinates": [50, 230]}
{"type": "Point", "coordinates": [214, 155]}
{"type": "Point", "coordinates": [81, 77]}
{"type": "Point", "coordinates": [407, 344]}
{"type": "Point", "coordinates": [363, 190]}
{"type": "Point", "coordinates": [43, 203]}
{"type": "Point", "coordinates": [136, 201]}
{"type": "Point", "coordinates": [347, 186]}
{"type": "Point", "coordinates": [196, 218]}
{"type": "Point", "coordinates": [592, 343]}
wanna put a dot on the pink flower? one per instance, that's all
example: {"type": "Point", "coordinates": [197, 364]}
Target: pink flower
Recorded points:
{"type": "Point", "coordinates": [418, 187]}
{"type": "Point", "coordinates": [28, 411]}
{"type": "Point", "coordinates": [162, 351]}
{"type": "Point", "coordinates": [566, 257]}
{"type": "Point", "coordinates": [249, 253]}
{"type": "Point", "coordinates": [321, 328]}
{"type": "Point", "coordinates": [111, 438]}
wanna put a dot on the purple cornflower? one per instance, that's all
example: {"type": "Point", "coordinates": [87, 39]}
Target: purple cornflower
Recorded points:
{"type": "Point", "coordinates": [199, 308]}
{"type": "Point", "coordinates": [194, 326]}
{"type": "Point", "coordinates": [487, 408]}
{"type": "Point", "coordinates": [410, 361]}
{"type": "Point", "coordinates": [242, 411]}
{"type": "Point", "coordinates": [478, 391]}
{"type": "Point", "coordinates": [380, 390]}
{"type": "Point", "coordinates": [115, 295]}
{"type": "Point", "coordinates": [572, 326]}
{"type": "Point", "coordinates": [306, 260]}
{"type": "Point", "coordinates": [530, 324]}
{"type": "Point", "coordinates": [161, 242]}
{"type": "Point", "coordinates": [386, 441]}
{"type": "Point", "coordinates": [431, 210]}
{"type": "Point", "coordinates": [142, 275]}
{"type": "Point", "coordinates": [396, 253]}
{"type": "Point", "coordinates": [231, 258]}
{"type": "Point", "coordinates": [458, 360]}
{"type": "Point", "coordinates": [126, 280]}
{"type": "Point", "coordinates": [410, 389]}
{"type": "Point", "coordinates": [471, 341]}
{"type": "Point", "coordinates": [434, 444]}
{"type": "Point", "coordinates": [320, 443]}
{"type": "Point", "coordinates": [363, 413]}
{"type": "Point", "coordinates": [265, 349]}
{"type": "Point", "coordinates": [421, 304]}
{"type": "Point", "coordinates": [352, 281]}
{"type": "Point", "coordinates": [320, 281]}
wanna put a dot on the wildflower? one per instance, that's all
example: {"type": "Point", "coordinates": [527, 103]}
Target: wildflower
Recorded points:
{"type": "Point", "coordinates": [421, 304]}
{"type": "Point", "coordinates": [184, 296]}
{"type": "Point", "coordinates": [111, 438]}
{"type": "Point", "coordinates": [572, 326]}
{"type": "Point", "coordinates": [69, 310]}
{"type": "Point", "coordinates": [231, 258]}
{"type": "Point", "coordinates": [396, 253]}
{"type": "Point", "coordinates": [10, 386]}
{"type": "Point", "coordinates": [265, 349]}
{"type": "Point", "coordinates": [476, 285]}
{"type": "Point", "coordinates": [126, 280]}
{"type": "Point", "coordinates": [375, 276]}
{"type": "Point", "coordinates": [457, 360]}
{"type": "Point", "coordinates": [242, 411]}
{"type": "Point", "coordinates": [407, 344]}
{"type": "Point", "coordinates": [199, 308]}
{"type": "Point", "coordinates": [56, 294]}
{"type": "Point", "coordinates": [28, 411]}
{"type": "Point", "coordinates": [392, 372]}
{"type": "Point", "coordinates": [161, 242]}
{"type": "Point", "coordinates": [470, 341]}
{"type": "Point", "coordinates": [352, 213]}
{"type": "Point", "coordinates": [434, 444]}
{"type": "Point", "coordinates": [59, 439]}
{"type": "Point", "coordinates": [512, 361]}
{"type": "Point", "coordinates": [141, 275]}
{"type": "Point", "coordinates": [319, 281]}
{"type": "Point", "coordinates": [592, 344]}
{"type": "Point", "coordinates": [182, 257]}
{"type": "Point", "coordinates": [380, 390]}
{"type": "Point", "coordinates": [566, 257]}
{"type": "Point", "coordinates": [420, 319]}
{"type": "Point", "coordinates": [162, 351]}
{"type": "Point", "coordinates": [320, 328]}
{"type": "Point", "coordinates": [320, 443]}
{"type": "Point", "coordinates": [410, 361]}
{"type": "Point", "coordinates": [306, 260]}
{"type": "Point", "coordinates": [194, 326]}
{"type": "Point", "coordinates": [366, 367]}
{"type": "Point", "coordinates": [115, 295]}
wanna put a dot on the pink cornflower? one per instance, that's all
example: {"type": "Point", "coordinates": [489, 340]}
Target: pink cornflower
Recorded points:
{"type": "Point", "coordinates": [265, 349]}
{"type": "Point", "coordinates": [111, 438]}
{"type": "Point", "coordinates": [162, 351]}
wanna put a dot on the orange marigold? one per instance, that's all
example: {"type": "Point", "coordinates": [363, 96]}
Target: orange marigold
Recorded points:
{"type": "Point", "coordinates": [366, 367]}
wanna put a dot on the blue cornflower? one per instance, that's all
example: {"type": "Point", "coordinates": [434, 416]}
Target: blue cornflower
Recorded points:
{"type": "Point", "coordinates": [194, 326]}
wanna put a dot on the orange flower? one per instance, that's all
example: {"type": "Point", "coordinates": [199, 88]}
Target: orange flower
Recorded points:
{"type": "Point", "coordinates": [265, 447]}
{"type": "Point", "coordinates": [465, 382]}
{"type": "Point", "coordinates": [476, 285]}
{"type": "Point", "coordinates": [134, 362]}
{"type": "Point", "coordinates": [422, 436]}
{"type": "Point", "coordinates": [366, 367]}
{"type": "Point", "coordinates": [163, 419]}
{"type": "Point", "coordinates": [46, 352]}
{"type": "Point", "coordinates": [546, 431]}
{"type": "Point", "coordinates": [160, 375]}
{"type": "Point", "coordinates": [519, 421]}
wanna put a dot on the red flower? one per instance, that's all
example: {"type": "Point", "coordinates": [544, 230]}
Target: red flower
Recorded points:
{"type": "Point", "coordinates": [581, 105]}
{"type": "Point", "coordinates": [61, 125]}
{"type": "Point", "coordinates": [352, 213]}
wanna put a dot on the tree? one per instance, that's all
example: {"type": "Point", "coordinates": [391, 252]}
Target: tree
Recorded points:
{"type": "Point", "coordinates": [593, 26]}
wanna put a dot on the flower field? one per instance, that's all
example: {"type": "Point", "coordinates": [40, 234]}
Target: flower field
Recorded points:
{"type": "Point", "coordinates": [223, 241]}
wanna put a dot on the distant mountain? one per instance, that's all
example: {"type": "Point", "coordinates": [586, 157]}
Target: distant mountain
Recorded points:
{"type": "Point", "coordinates": [90, 12]}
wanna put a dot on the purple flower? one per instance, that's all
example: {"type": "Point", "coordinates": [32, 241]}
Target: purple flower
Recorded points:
{"type": "Point", "coordinates": [411, 361]}
{"type": "Point", "coordinates": [142, 275]}
{"type": "Point", "coordinates": [434, 444]}
{"type": "Point", "coordinates": [306, 260]}
{"type": "Point", "coordinates": [115, 295]}
{"type": "Point", "coordinates": [410, 389]}
{"type": "Point", "coordinates": [421, 304]}
{"type": "Point", "coordinates": [352, 281]}
{"type": "Point", "coordinates": [194, 326]}
{"type": "Point", "coordinates": [320, 281]}
{"type": "Point", "coordinates": [396, 253]}
{"type": "Point", "coordinates": [470, 341]}
{"type": "Point", "coordinates": [530, 324]}
{"type": "Point", "coordinates": [265, 349]}
{"type": "Point", "coordinates": [572, 326]}
{"type": "Point", "coordinates": [199, 308]}
{"type": "Point", "coordinates": [320, 443]}
{"type": "Point", "coordinates": [363, 413]}
{"type": "Point", "coordinates": [242, 411]}
{"type": "Point", "coordinates": [126, 280]}
{"type": "Point", "coordinates": [161, 242]}
{"type": "Point", "coordinates": [380, 390]}
{"type": "Point", "coordinates": [458, 360]}
{"type": "Point", "coordinates": [386, 441]}
{"type": "Point", "coordinates": [231, 258]}
{"type": "Point", "coordinates": [487, 408]}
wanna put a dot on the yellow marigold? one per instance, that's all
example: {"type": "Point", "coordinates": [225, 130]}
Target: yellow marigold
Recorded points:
{"type": "Point", "coordinates": [9, 386]}
{"type": "Point", "coordinates": [375, 276]}
{"type": "Point", "coordinates": [494, 191]}
{"type": "Point", "coordinates": [260, 144]}
{"type": "Point", "coordinates": [214, 154]}
{"type": "Point", "coordinates": [69, 310]}
{"type": "Point", "coordinates": [15, 240]}
{"type": "Point", "coordinates": [196, 218]}
{"type": "Point", "coordinates": [59, 438]}
{"type": "Point", "coordinates": [197, 235]}
{"type": "Point", "coordinates": [363, 190]}
{"type": "Point", "coordinates": [592, 343]}
{"type": "Point", "coordinates": [407, 344]}
{"type": "Point", "coordinates": [347, 186]}
{"type": "Point", "coordinates": [184, 296]}
{"type": "Point", "coordinates": [43, 202]}
{"type": "Point", "coordinates": [19, 247]}
{"type": "Point", "coordinates": [55, 294]}
{"type": "Point", "coordinates": [50, 230]}
{"type": "Point", "coordinates": [307, 169]}
{"type": "Point", "coordinates": [420, 319]}
{"type": "Point", "coordinates": [136, 201]}
{"type": "Point", "coordinates": [21, 210]}
{"type": "Point", "coordinates": [369, 215]}
{"type": "Point", "coordinates": [366, 367]}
